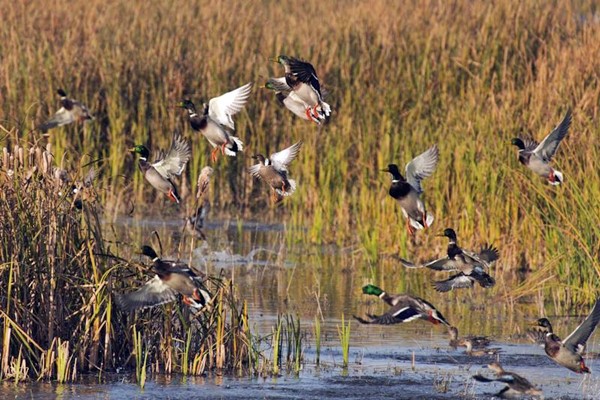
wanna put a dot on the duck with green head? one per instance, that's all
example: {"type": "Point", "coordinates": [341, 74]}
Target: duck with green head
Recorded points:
{"type": "Point", "coordinates": [160, 173]}
{"type": "Point", "coordinates": [472, 267]}
{"type": "Point", "coordinates": [290, 100]}
{"type": "Point", "coordinates": [407, 190]}
{"type": "Point", "coordinates": [404, 308]}
{"type": "Point", "coordinates": [302, 79]}
{"type": "Point", "coordinates": [216, 121]}
{"type": "Point", "coordinates": [172, 278]}
{"type": "Point", "coordinates": [569, 352]}
{"type": "Point", "coordinates": [537, 157]}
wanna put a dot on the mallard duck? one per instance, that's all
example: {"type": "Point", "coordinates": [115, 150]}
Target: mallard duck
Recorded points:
{"type": "Point", "coordinates": [195, 222]}
{"type": "Point", "coordinates": [407, 191]}
{"type": "Point", "coordinates": [172, 278]}
{"type": "Point", "coordinates": [479, 352]}
{"type": "Point", "coordinates": [71, 111]}
{"type": "Point", "coordinates": [568, 352]}
{"type": "Point", "coordinates": [290, 100]}
{"type": "Point", "coordinates": [476, 341]}
{"type": "Point", "coordinates": [517, 386]}
{"type": "Point", "coordinates": [472, 267]}
{"type": "Point", "coordinates": [537, 156]}
{"type": "Point", "coordinates": [216, 122]}
{"type": "Point", "coordinates": [160, 172]}
{"type": "Point", "coordinates": [274, 171]}
{"type": "Point", "coordinates": [405, 308]}
{"type": "Point", "coordinates": [302, 78]}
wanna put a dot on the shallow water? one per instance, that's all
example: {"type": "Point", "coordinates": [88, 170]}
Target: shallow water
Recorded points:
{"type": "Point", "coordinates": [412, 360]}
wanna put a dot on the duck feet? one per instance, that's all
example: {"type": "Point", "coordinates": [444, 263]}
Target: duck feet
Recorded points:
{"type": "Point", "coordinates": [213, 155]}
{"type": "Point", "coordinates": [223, 148]}
{"type": "Point", "coordinates": [411, 230]}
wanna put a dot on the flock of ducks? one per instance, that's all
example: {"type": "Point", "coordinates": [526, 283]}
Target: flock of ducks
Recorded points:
{"type": "Point", "coordinates": [299, 90]}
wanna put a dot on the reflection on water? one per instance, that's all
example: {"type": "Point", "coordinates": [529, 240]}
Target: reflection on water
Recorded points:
{"type": "Point", "coordinates": [277, 273]}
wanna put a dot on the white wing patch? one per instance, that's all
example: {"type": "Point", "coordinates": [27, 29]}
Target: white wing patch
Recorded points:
{"type": "Point", "coordinates": [222, 108]}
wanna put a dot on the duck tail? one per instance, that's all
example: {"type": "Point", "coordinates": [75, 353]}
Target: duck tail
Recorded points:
{"type": "Point", "coordinates": [289, 190]}
{"type": "Point", "coordinates": [234, 146]}
{"type": "Point", "coordinates": [555, 178]}
{"type": "Point", "coordinates": [326, 108]}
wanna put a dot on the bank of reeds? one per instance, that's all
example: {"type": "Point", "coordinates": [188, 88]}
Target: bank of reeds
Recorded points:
{"type": "Point", "coordinates": [400, 76]}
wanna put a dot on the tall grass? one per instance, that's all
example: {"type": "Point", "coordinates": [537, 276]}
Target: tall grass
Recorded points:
{"type": "Point", "coordinates": [466, 75]}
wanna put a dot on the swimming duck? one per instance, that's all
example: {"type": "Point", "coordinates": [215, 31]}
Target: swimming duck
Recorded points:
{"type": "Point", "coordinates": [537, 156]}
{"type": "Point", "coordinates": [71, 111]}
{"type": "Point", "coordinates": [160, 172]}
{"type": "Point", "coordinates": [302, 78]}
{"type": "Point", "coordinates": [568, 352]}
{"type": "Point", "coordinates": [517, 386]}
{"type": "Point", "coordinates": [476, 341]}
{"type": "Point", "coordinates": [274, 171]}
{"type": "Point", "coordinates": [407, 191]}
{"type": "Point", "coordinates": [290, 100]}
{"type": "Point", "coordinates": [405, 308]}
{"type": "Point", "coordinates": [472, 267]}
{"type": "Point", "coordinates": [216, 122]}
{"type": "Point", "coordinates": [479, 352]}
{"type": "Point", "coordinates": [172, 278]}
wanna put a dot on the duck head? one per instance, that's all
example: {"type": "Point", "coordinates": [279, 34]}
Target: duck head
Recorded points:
{"type": "Point", "coordinates": [372, 289]}
{"type": "Point", "coordinates": [149, 252]}
{"type": "Point", "coordinates": [188, 105]}
{"type": "Point", "coordinates": [544, 323]}
{"type": "Point", "coordinates": [449, 233]}
{"type": "Point", "coordinates": [260, 158]}
{"type": "Point", "coordinates": [61, 93]}
{"type": "Point", "coordinates": [281, 59]}
{"type": "Point", "coordinates": [393, 169]}
{"type": "Point", "coordinates": [518, 142]}
{"type": "Point", "coordinates": [141, 150]}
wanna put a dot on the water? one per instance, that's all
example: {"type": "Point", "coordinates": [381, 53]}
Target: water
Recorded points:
{"type": "Point", "coordinates": [411, 360]}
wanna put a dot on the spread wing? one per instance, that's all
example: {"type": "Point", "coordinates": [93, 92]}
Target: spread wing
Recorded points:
{"type": "Point", "coordinates": [396, 315]}
{"type": "Point", "coordinates": [547, 148]}
{"type": "Point", "coordinates": [457, 281]}
{"type": "Point", "coordinates": [153, 293]}
{"type": "Point", "coordinates": [279, 85]}
{"type": "Point", "coordinates": [222, 108]}
{"type": "Point", "coordinates": [489, 253]}
{"type": "Point", "coordinates": [174, 162]}
{"type": "Point", "coordinates": [305, 73]}
{"type": "Point", "coordinates": [576, 340]}
{"type": "Point", "coordinates": [60, 118]}
{"type": "Point", "coordinates": [283, 158]}
{"type": "Point", "coordinates": [255, 170]}
{"type": "Point", "coordinates": [421, 167]}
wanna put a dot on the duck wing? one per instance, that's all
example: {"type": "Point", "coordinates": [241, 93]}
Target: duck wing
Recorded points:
{"type": "Point", "coordinates": [279, 85]}
{"type": "Point", "coordinates": [577, 339]}
{"type": "Point", "coordinates": [421, 167]}
{"type": "Point", "coordinates": [396, 315]}
{"type": "Point", "coordinates": [547, 148]}
{"type": "Point", "coordinates": [222, 108]}
{"type": "Point", "coordinates": [305, 73]}
{"type": "Point", "coordinates": [174, 162]}
{"type": "Point", "coordinates": [60, 118]}
{"type": "Point", "coordinates": [283, 158]}
{"type": "Point", "coordinates": [489, 254]}
{"type": "Point", "coordinates": [457, 281]}
{"type": "Point", "coordinates": [153, 293]}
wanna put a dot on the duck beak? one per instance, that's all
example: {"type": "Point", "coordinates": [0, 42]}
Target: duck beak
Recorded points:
{"type": "Point", "coordinates": [132, 150]}
{"type": "Point", "coordinates": [385, 170]}
{"type": "Point", "coordinates": [440, 235]}
{"type": "Point", "coordinates": [274, 59]}
{"type": "Point", "coordinates": [254, 157]}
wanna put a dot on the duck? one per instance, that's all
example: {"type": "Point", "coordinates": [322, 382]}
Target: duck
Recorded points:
{"type": "Point", "coordinates": [216, 122]}
{"type": "Point", "coordinates": [195, 222]}
{"type": "Point", "coordinates": [203, 182]}
{"type": "Point", "coordinates": [404, 308]}
{"type": "Point", "coordinates": [476, 341]}
{"type": "Point", "coordinates": [537, 157]}
{"type": "Point", "coordinates": [569, 352]}
{"type": "Point", "coordinates": [274, 170]}
{"type": "Point", "coordinates": [407, 190]}
{"type": "Point", "coordinates": [302, 78]}
{"type": "Point", "coordinates": [172, 278]}
{"type": "Point", "coordinates": [516, 387]}
{"type": "Point", "coordinates": [469, 344]}
{"type": "Point", "coordinates": [290, 100]}
{"type": "Point", "coordinates": [71, 111]}
{"type": "Point", "coordinates": [472, 267]}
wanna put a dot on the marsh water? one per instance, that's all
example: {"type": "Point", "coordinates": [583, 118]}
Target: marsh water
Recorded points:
{"type": "Point", "coordinates": [278, 274]}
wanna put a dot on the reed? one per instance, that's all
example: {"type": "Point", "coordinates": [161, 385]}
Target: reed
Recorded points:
{"type": "Point", "coordinates": [317, 332]}
{"type": "Point", "coordinates": [141, 358]}
{"type": "Point", "coordinates": [344, 335]}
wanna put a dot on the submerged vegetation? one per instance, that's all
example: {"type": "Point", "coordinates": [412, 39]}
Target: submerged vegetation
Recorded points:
{"type": "Point", "coordinates": [467, 76]}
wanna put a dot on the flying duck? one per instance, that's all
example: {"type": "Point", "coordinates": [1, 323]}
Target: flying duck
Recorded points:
{"type": "Point", "coordinates": [160, 172]}
{"type": "Point", "coordinates": [71, 111]}
{"type": "Point", "coordinates": [290, 100]}
{"type": "Point", "coordinates": [302, 78]}
{"type": "Point", "coordinates": [537, 157]}
{"type": "Point", "coordinates": [274, 170]}
{"type": "Point", "coordinates": [172, 278]}
{"type": "Point", "coordinates": [216, 122]}
{"type": "Point", "coordinates": [568, 352]}
{"type": "Point", "coordinates": [404, 308]}
{"type": "Point", "coordinates": [516, 387]}
{"type": "Point", "coordinates": [472, 267]}
{"type": "Point", "coordinates": [407, 190]}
